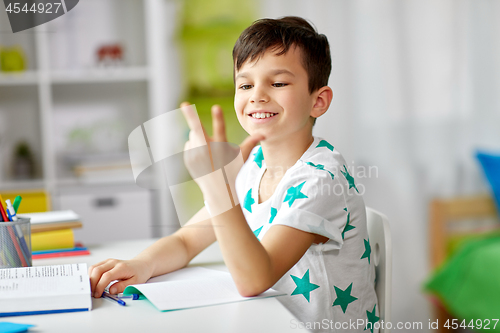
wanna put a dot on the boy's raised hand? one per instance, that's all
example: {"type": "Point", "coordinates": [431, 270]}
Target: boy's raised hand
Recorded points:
{"type": "Point", "coordinates": [198, 135]}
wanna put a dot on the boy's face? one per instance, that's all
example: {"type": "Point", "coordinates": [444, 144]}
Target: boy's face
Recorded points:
{"type": "Point", "coordinates": [272, 96]}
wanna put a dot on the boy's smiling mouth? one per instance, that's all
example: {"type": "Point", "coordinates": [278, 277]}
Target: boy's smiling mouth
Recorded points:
{"type": "Point", "coordinates": [261, 118]}
{"type": "Point", "coordinates": [262, 115]}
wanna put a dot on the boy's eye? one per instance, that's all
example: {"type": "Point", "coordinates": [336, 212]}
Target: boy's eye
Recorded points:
{"type": "Point", "coordinates": [245, 87]}
{"type": "Point", "coordinates": [279, 84]}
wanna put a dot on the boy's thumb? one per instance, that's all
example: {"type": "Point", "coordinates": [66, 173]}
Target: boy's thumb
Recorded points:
{"type": "Point", "coordinates": [119, 287]}
{"type": "Point", "coordinates": [247, 145]}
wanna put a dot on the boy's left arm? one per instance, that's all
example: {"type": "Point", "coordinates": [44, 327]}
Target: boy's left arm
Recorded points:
{"type": "Point", "coordinates": [256, 265]}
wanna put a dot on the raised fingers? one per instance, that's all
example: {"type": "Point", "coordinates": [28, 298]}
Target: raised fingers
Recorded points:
{"type": "Point", "coordinates": [197, 134]}
{"type": "Point", "coordinates": [219, 127]}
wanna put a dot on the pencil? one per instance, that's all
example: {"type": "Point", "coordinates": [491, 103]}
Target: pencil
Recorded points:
{"type": "Point", "coordinates": [6, 257]}
{"type": "Point", "coordinates": [12, 235]}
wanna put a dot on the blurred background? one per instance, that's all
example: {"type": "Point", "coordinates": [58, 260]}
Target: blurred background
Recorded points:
{"type": "Point", "coordinates": [417, 95]}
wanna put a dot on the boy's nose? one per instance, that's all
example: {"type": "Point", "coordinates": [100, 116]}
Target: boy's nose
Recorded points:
{"type": "Point", "coordinates": [260, 96]}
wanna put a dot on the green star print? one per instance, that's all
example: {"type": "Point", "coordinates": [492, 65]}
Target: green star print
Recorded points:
{"type": "Point", "coordinates": [319, 167]}
{"type": "Point", "coordinates": [259, 157]}
{"type": "Point", "coordinates": [344, 297]}
{"type": "Point", "coordinates": [368, 250]}
{"type": "Point", "coordinates": [293, 193]}
{"type": "Point", "coordinates": [304, 287]}
{"type": "Point", "coordinates": [349, 178]}
{"type": "Point", "coordinates": [372, 318]}
{"type": "Point", "coordinates": [257, 232]}
{"type": "Point", "coordinates": [320, 230]}
{"type": "Point", "coordinates": [274, 211]}
{"type": "Point", "coordinates": [324, 143]}
{"type": "Point", "coordinates": [249, 201]}
{"type": "Point", "coordinates": [347, 225]}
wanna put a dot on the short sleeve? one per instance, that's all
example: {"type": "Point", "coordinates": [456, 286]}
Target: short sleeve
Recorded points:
{"type": "Point", "coordinates": [312, 200]}
{"type": "Point", "coordinates": [242, 179]}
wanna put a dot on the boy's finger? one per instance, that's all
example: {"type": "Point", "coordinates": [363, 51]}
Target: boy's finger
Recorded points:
{"type": "Point", "coordinates": [190, 115]}
{"type": "Point", "coordinates": [99, 264]}
{"type": "Point", "coordinates": [96, 274]}
{"type": "Point", "coordinates": [218, 124]}
{"type": "Point", "coordinates": [194, 123]}
{"type": "Point", "coordinates": [119, 287]}
{"type": "Point", "coordinates": [105, 280]}
{"type": "Point", "coordinates": [91, 268]}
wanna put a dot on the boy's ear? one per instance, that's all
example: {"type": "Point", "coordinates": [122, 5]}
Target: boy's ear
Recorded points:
{"type": "Point", "coordinates": [323, 98]}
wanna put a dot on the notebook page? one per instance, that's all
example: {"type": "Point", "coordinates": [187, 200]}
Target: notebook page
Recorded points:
{"type": "Point", "coordinates": [189, 273]}
{"type": "Point", "coordinates": [193, 287]}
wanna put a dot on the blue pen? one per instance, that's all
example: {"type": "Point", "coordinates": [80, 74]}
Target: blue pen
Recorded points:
{"type": "Point", "coordinates": [113, 298]}
{"type": "Point", "coordinates": [129, 296]}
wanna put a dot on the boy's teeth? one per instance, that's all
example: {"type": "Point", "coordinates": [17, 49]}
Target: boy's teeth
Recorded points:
{"type": "Point", "coordinates": [262, 115]}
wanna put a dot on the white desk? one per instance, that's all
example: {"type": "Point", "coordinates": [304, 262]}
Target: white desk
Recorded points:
{"type": "Point", "coordinates": [261, 315]}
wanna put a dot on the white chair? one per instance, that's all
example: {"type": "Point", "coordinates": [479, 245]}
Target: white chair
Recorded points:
{"type": "Point", "coordinates": [380, 241]}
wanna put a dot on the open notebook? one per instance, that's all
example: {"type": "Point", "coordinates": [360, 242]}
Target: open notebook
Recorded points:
{"type": "Point", "coordinates": [192, 287]}
{"type": "Point", "coordinates": [44, 289]}
{"type": "Point", "coordinates": [66, 288]}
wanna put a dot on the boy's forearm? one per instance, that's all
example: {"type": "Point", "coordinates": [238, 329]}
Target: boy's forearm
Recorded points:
{"type": "Point", "coordinates": [176, 251]}
{"type": "Point", "coordinates": [165, 255]}
{"type": "Point", "coordinates": [245, 257]}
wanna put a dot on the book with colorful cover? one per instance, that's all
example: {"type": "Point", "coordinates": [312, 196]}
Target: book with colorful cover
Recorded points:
{"type": "Point", "coordinates": [51, 240]}
{"type": "Point", "coordinates": [78, 250]}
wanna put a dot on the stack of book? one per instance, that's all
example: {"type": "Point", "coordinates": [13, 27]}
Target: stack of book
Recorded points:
{"type": "Point", "coordinates": [52, 234]}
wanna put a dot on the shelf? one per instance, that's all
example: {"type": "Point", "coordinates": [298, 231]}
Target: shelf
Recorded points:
{"type": "Point", "coordinates": [69, 182]}
{"type": "Point", "coordinates": [18, 78]}
{"type": "Point", "coordinates": [6, 186]}
{"type": "Point", "coordinates": [97, 75]}
{"type": "Point", "coordinates": [66, 101]}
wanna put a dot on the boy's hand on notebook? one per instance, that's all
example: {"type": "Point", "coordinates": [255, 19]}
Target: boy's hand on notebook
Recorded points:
{"type": "Point", "coordinates": [127, 272]}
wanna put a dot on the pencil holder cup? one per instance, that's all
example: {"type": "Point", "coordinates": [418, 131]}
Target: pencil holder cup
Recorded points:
{"type": "Point", "coordinates": [15, 243]}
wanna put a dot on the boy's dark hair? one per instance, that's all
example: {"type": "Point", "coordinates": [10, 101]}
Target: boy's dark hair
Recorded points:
{"type": "Point", "coordinates": [280, 34]}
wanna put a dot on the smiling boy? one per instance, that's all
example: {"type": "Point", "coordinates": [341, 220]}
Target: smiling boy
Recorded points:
{"type": "Point", "coordinates": [300, 226]}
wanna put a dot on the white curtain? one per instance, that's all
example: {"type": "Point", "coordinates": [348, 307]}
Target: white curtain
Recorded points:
{"type": "Point", "coordinates": [417, 90]}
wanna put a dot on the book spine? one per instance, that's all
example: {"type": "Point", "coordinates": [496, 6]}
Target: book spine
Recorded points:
{"type": "Point", "coordinates": [76, 248]}
{"type": "Point", "coordinates": [50, 240]}
{"type": "Point", "coordinates": [60, 254]}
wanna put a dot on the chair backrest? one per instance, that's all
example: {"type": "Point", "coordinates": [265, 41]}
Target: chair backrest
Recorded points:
{"type": "Point", "coordinates": [380, 242]}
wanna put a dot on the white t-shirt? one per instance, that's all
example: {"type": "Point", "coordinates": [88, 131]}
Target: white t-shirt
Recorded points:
{"type": "Point", "coordinates": [333, 285]}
